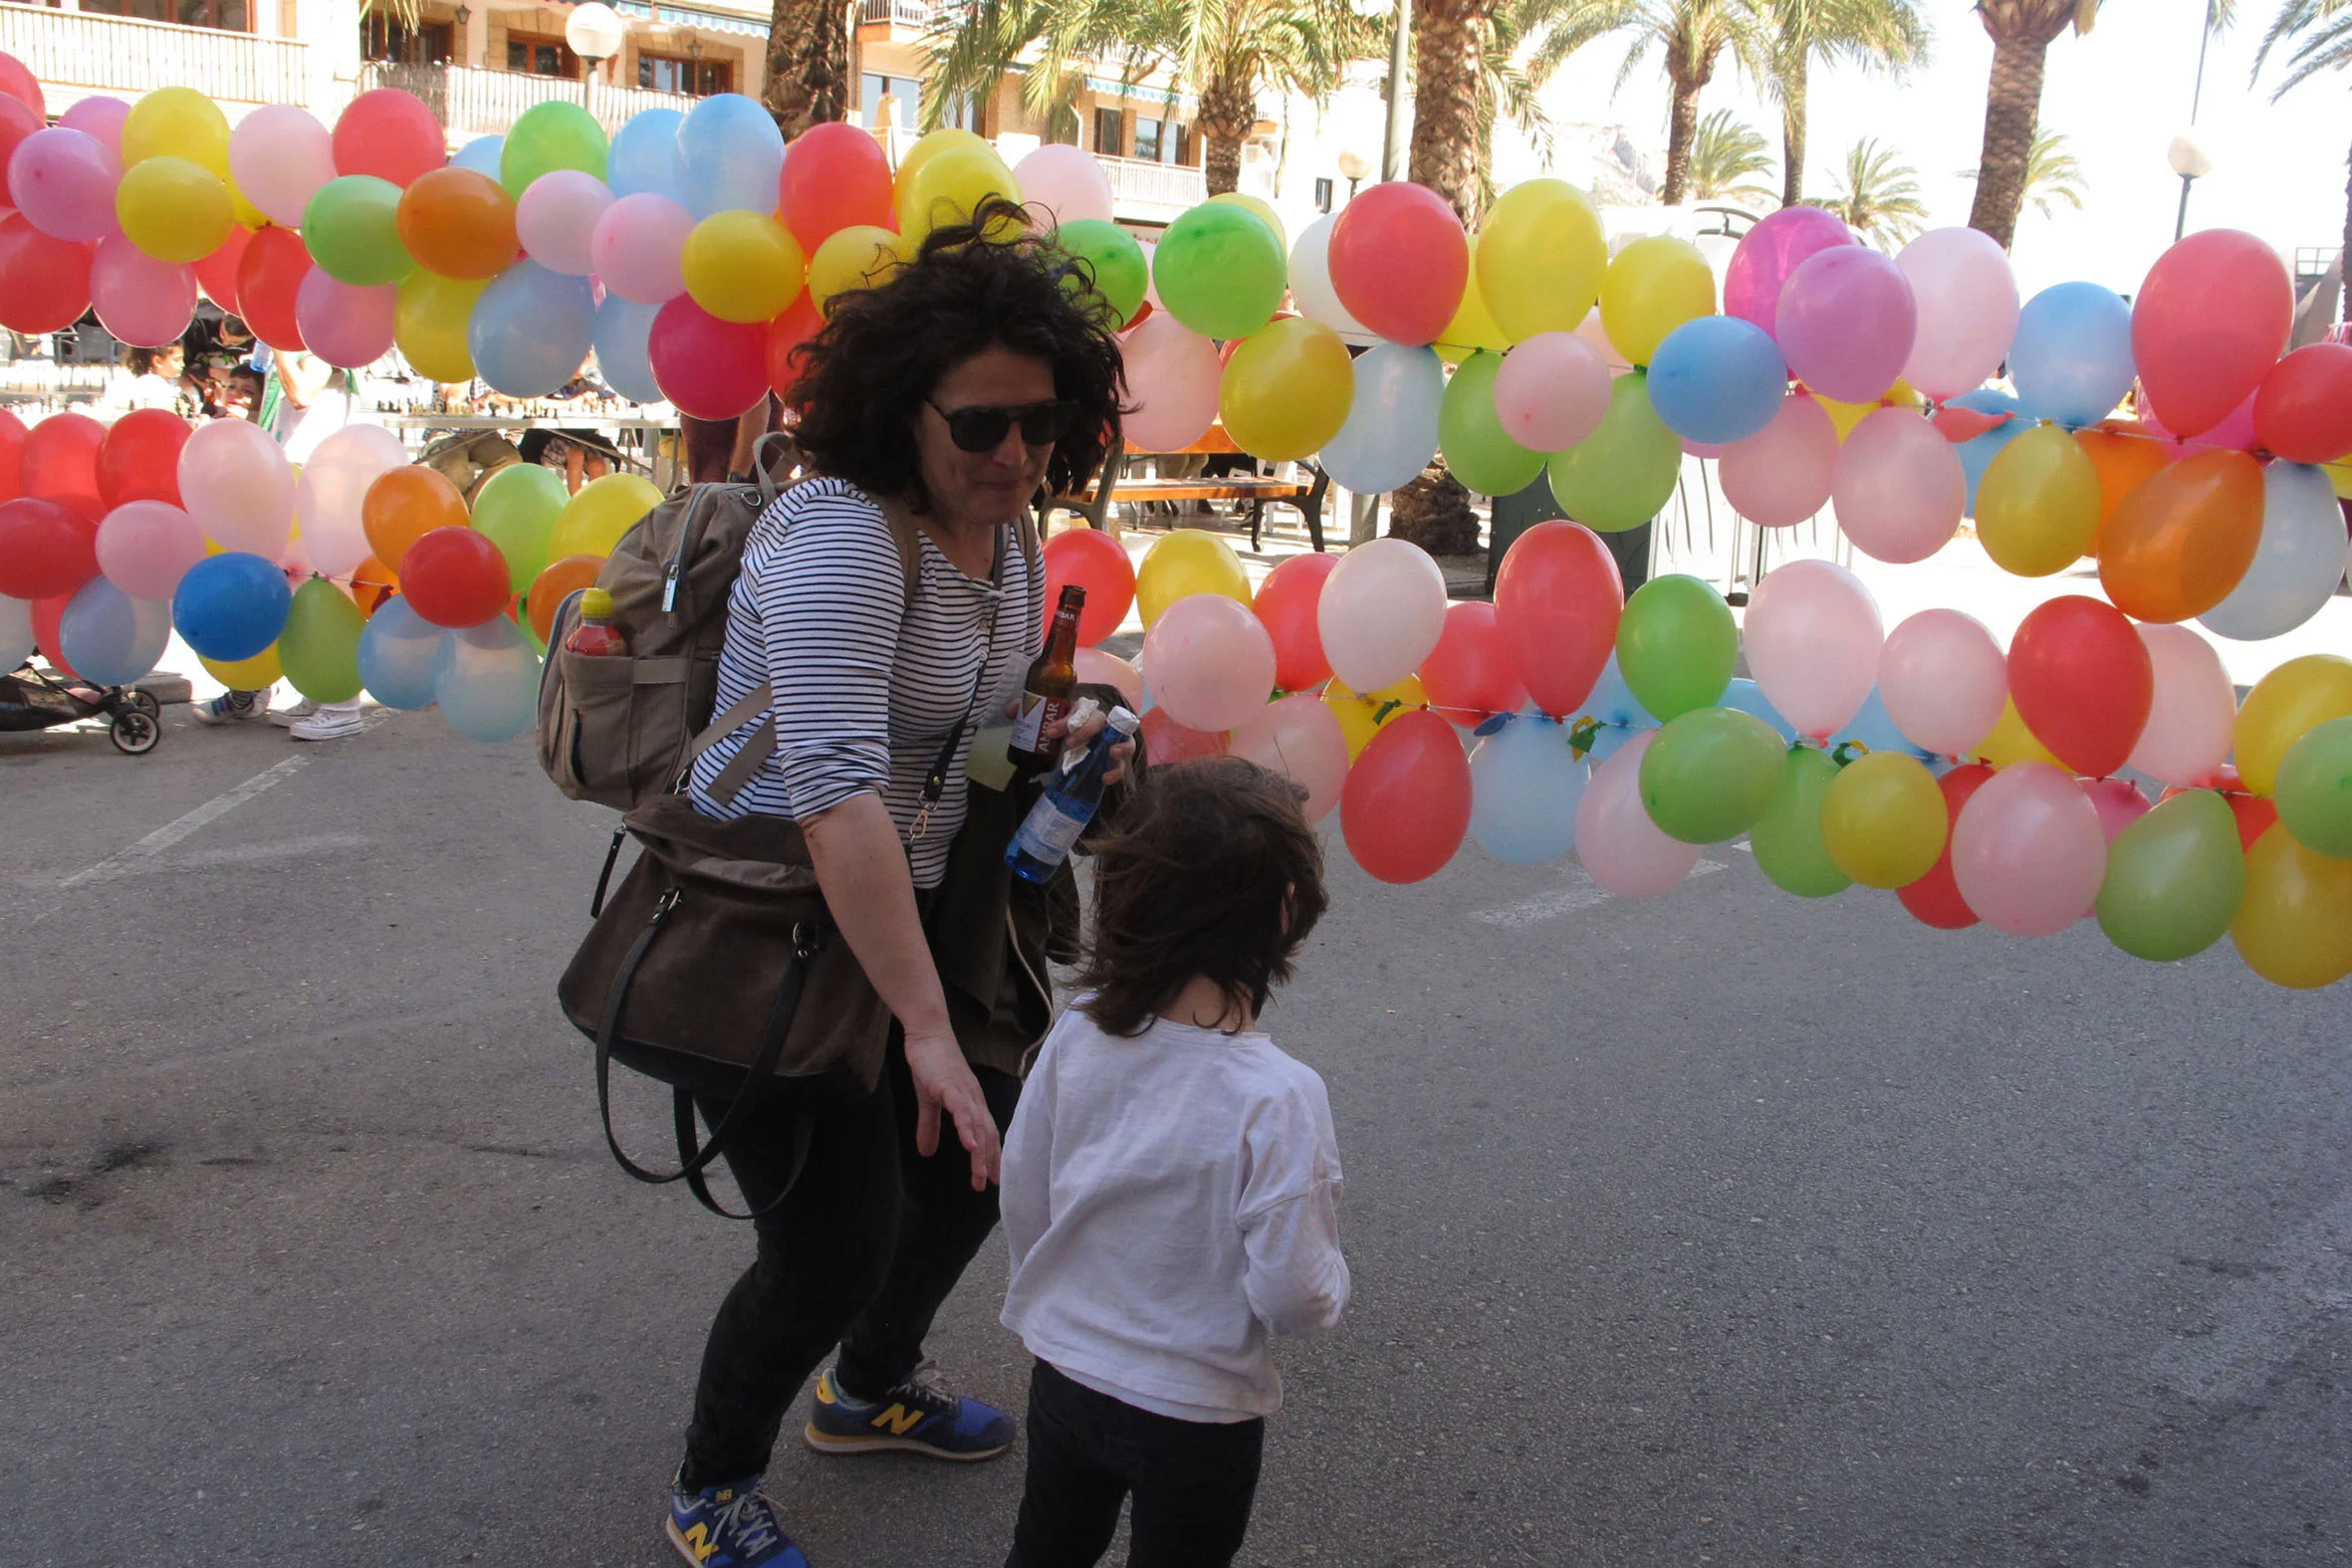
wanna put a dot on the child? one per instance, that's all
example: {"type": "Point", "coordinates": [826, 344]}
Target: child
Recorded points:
{"type": "Point", "coordinates": [1171, 1183]}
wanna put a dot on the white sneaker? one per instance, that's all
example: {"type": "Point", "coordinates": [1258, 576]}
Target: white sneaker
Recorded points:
{"type": "Point", "coordinates": [287, 718]}
{"type": "Point", "coordinates": [327, 724]}
{"type": "Point", "coordinates": [231, 706]}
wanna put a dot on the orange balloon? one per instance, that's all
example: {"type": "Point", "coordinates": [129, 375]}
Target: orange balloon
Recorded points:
{"type": "Point", "coordinates": [2182, 538]}
{"type": "Point", "coordinates": [371, 583]}
{"type": "Point", "coordinates": [557, 583]}
{"type": "Point", "coordinates": [459, 224]}
{"type": "Point", "coordinates": [403, 505]}
{"type": "Point", "coordinates": [2123, 458]}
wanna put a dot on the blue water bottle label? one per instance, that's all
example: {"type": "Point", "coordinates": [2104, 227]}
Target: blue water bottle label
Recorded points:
{"type": "Point", "coordinates": [1050, 831]}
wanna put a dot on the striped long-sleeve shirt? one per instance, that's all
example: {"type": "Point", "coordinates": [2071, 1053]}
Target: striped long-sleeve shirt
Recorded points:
{"type": "Point", "coordinates": [866, 688]}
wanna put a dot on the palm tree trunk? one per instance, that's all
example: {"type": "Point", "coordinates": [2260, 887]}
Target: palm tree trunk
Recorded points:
{"type": "Point", "coordinates": [2012, 102]}
{"type": "Point", "coordinates": [1792, 136]}
{"type": "Point", "coordinates": [808, 64]}
{"type": "Point", "coordinates": [1449, 38]}
{"type": "Point", "coordinates": [1682, 129]}
{"type": "Point", "coordinates": [1229, 108]}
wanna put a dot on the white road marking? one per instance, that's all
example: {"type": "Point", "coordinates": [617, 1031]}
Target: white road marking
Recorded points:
{"type": "Point", "coordinates": [2264, 1320]}
{"type": "Point", "coordinates": [1581, 893]}
{"type": "Point", "coordinates": [132, 859]}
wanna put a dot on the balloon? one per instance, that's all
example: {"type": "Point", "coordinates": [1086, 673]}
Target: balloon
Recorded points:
{"type": "Point", "coordinates": [2193, 711]}
{"type": "Point", "coordinates": [2181, 540]}
{"type": "Point", "coordinates": [2211, 319]}
{"type": "Point", "coordinates": [47, 549]}
{"type": "Point", "coordinates": [1098, 563]}
{"type": "Point", "coordinates": [858, 257]}
{"type": "Point", "coordinates": [1407, 800]}
{"type": "Point", "coordinates": [786, 335]}
{"type": "Point", "coordinates": [180, 123]}
{"type": "Point", "coordinates": [1710, 773]}
{"type": "Point", "coordinates": [1526, 783]}
{"type": "Point", "coordinates": [455, 576]}
{"type": "Point", "coordinates": [279, 155]}
{"type": "Point", "coordinates": [1172, 376]}
{"type": "Point", "coordinates": [1934, 900]}
{"type": "Point", "coordinates": [562, 577]}
{"type": "Point", "coordinates": [2296, 697]}
{"type": "Point", "coordinates": [1557, 602]}
{"type": "Point", "coordinates": [343, 324]}
{"type": "Point", "coordinates": [98, 118]}
{"type": "Point", "coordinates": [1846, 320]}
{"type": "Point", "coordinates": [742, 265]}
{"type": "Point", "coordinates": [2118, 801]}
{"type": "Point", "coordinates": [145, 547]}
{"type": "Point", "coordinates": [622, 327]}
{"type": "Point", "coordinates": [1067, 183]}
{"type": "Point", "coordinates": [1652, 286]}
{"type": "Point", "coordinates": [1677, 645]}
{"type": "Point", "coordinates": [2027, 851]}
{"type": "Point", "coordinates": [1287, 604]}
{"type": "Point", "coordinates": [12, 454]}
{"type": "Point", "coordinates": [643, 157]}
{"type": "Point", "coordinates": [236, 483]}
{"type": "Point", "coordinates": [590, 523]}
{"type": "Point", "coordinates": [431, 321]}
{"type": "Point", "coordinates": [1297, 737]}
{"type": "Point", "coordinates": [174, 209]}
{"type": "Point", "coordinates": [532, 329]}
{"type": "Point", "coordinates": [1883, 820]}
{"type": "Point", "coordinates": [1551, 392]}
{"type": "Point", "coordinates": [270, 275]}
{"type": "Point", "coordinates": [1977, 452]}
{"type": "Point", "coordinates": [486, 681]}
{"type": "Point", "coordinates": [1261, 206]}
{"type": "Point", "coordinates": [333, 490]}
{"type": "Point", "coordinates": [19, 82]}
{"type": "Point", "coordinates": [1622, 475]}
{"type": "Point", "coordinates": [1310, 278]}
{"type": "Point", "coordinates": [2124, 459]}
{"type": "Point", "coordinates": [352, 228]}
{"type": "Point", "coordinates": [1209, 661]}
{"type": "Point", "coordinates": [2315, 788]}
{"type": "Point", "coordinates": [555, 221]}
{"type": "Point", "coordinates": [2303, 408]}
{"type": "Point", "coordinates": [1472, 326]}
{"type": "Point", "coordinates": [1287, 389]}
{"type": "Point", "coordinates": [232, 605]}
{"type": "Point", "coordinates": [320, 648]}
{"type": "Point", "coordinates": [1480, 453]}
{"type": "Point", "coordinates": [1112, 263]}
{"type": "Point", "coordinates": [2037, 506]}
{"type": "Point", "coordinates": [950, 187]}
{"type": "Point", "coordinates": [1717, 379]}
{"type": "Point", "coordinates": [216, 274]}
{"type": "Point", "coordinates": [139, 459]}
{"type": "Point", "coordinates": [835, 176]}
{"type": "Point", "coordinates": [1400, 261]}
{"type": "Point", "coordinates": [1786, 839]}
{"type": "Point", "coordinates": [1768, 253]}
{"type": "Point", "coordinates": [2071, 359]}
{"type": "Point", "coordinates": [458, 223]}
{"type": "Point", "coordinates": [44, 282]}
{"type": "Point", "coordinates": [1221, 271]}
{"type": "Point", "coordinates": [2082, 681]}
{"type": "Point", "coordinates": [397, 655]}
{"type": "Point", "coordinates": [1812, 640]}
{"type": "Point", "coordinates": [389, 135]}
{"type": "Point", "coordinates": [554, 135]}
{"type": "Point", "coordinates": [1168, 743]}
{"type": "Point", "coordinates": [1391, 433]}
{"type": "Point", "coordinates": [111, 638]}
{"type": "Point", "coordinates": [1469, 675]}
{"type": "Point", "coordinates": [1541, 257]}
{"type": "Point", "coordinates": [1622, 849]}
{"type": "Point", "coordinates": [63, 181]}
{"type": "Point", "coordinates": [1784, 473]}
{"type": "Point", "coordinates": [1897, 487]}
{"type": "Point", "coordinates": [1966, 301]}
{"type": "Point", "coordinates": [2295, 924]}
{"type": "Point", "coordinates": [712, 370]}
{"type": "Point", "coordinates": [1944, 680]}
{"type": "Point", "coordinates": [1381, 612]}
{"type": "Point", "coordinates": [483, 153]}
{"type": "Point", "coordinates": [730, 157]}
{"type": "Point", "coordinates": [637, 245]}
{"type": "Point", "coordinates": [2298, 559]}
{"type": "Point", "coordinates": [1362, 715]}
{"type": "Point", "coordinates": [58, 461]}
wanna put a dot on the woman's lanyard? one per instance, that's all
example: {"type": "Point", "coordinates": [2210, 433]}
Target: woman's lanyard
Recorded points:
{"type": "Point", "coordinates": [935, 781]}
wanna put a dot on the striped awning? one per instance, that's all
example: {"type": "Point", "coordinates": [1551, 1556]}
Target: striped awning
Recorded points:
{"type": "Point", "coordinates": [693, 16]}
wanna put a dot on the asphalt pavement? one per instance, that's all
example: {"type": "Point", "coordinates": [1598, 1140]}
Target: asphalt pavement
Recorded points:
{"type": "Point", "coordinates": [1722, 1228]}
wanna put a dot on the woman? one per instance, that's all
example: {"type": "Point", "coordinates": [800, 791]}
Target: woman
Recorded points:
{"type": "Point", "coordinates": [932, 408]}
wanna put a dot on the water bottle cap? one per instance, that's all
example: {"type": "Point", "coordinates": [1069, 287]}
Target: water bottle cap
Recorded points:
{"type": "Point", "coordinates": [1124, 722]}
{"type": "Point", "coordinates": [596, 603]}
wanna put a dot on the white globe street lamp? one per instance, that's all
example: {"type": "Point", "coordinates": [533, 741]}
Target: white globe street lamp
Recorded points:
{"type": "Point", "coordinates": [594, 31]}
{"type": "Point", "coordinates": [2191, 163]}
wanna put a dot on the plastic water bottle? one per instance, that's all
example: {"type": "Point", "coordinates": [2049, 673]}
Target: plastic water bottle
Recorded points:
{"type": "Point", "coordinates": [1071, 797]}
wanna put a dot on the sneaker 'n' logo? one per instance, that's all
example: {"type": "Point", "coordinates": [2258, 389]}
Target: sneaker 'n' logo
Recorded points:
{"type": "Point", "coordinates": [698, 1540]}
{"type": "Point", "coordinates": [899, 1419]}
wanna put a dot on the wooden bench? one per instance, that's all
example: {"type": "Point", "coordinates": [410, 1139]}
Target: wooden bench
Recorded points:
{"type": "Point", "coordinates": [1255, 489]}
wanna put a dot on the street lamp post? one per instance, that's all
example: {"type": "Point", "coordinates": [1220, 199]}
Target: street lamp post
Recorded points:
{"type": "Point", "coordinates": [594, 31]}
{"type": "Point", "coordinates": [1392, 143]}
{"type": "Point", "coordinates": [1353, 166]}
{"type": "Point", "coordinates": [2191, 163]}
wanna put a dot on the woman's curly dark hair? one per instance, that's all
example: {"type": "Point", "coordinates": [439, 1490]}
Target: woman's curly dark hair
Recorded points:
{"type": "Point", "coordinates": [863, 379]}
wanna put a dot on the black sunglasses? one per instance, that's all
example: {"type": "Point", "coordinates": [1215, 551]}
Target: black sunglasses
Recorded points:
{"type": "Point", "coordinates": [982, 429]}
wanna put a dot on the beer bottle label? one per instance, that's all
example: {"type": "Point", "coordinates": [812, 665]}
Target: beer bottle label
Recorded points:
{"type": "Point", "coordinates": [1030, 728]}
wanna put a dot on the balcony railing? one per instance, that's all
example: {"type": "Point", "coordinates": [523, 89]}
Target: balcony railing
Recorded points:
{"type": "Point", "coordinates": [899, 13]}
{"type": "Point", "coordinates": [123, 55]}
{"type": "Point", "coordinates": [473, 102]}
{"type": "Point", "coordinates": [1152, 190]}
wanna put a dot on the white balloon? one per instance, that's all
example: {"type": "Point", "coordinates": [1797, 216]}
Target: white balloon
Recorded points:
{"type": "Point", "coordinates": [334, 483]}
{"type": "Point", "coordinates": [1813, 639]}
{"type": "Point", "coordinates": [1310, 278]}
{"type": "Point", "coordinates": [1382, 611]}
{"type": "Point", "coordinates": [2297, 565]}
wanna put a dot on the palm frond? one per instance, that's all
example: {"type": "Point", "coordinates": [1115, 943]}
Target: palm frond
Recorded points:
{"type": "Point", "coordinates": [1877, 195]}
{"type": "Point", "coordinates": [1725, 156]}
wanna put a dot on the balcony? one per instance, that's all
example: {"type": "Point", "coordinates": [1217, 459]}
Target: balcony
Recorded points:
{"type": "Point", "coordinates": [1152, 192]}
{"type": "Point", "coordinates": [83, 52]}
{"type": "Point", "coordinates": [470, 102]}
{"type": "Point", "coordinates": [894, 13]}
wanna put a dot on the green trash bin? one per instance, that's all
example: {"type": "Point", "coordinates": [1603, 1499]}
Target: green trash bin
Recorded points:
{"type": "Point", "coordinates": [1514, 515]}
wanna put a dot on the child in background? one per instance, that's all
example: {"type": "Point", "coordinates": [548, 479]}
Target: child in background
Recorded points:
{"type": "Point", "coordinates": [1171, 1183]}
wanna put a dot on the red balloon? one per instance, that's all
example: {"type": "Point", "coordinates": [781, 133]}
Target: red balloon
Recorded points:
{"type": "Point", "coordinates": [44, 282]}
{"type": "Point", "coordinates": [1098, 563]}
{"type": "Point", "coordinates": [47, 549]}
{"type": "Point", "coordinates": [216, 274]}
{"type": "Point", "coordinates": [835, 176]}
{"type": "Point", "coordinates": [1165, 742]}
{"type": "Point", "coordinates": [18, 120]}
{"type": "Point", "coordinates": [390, 134]}
{"type": "Point", "coordinates": [47, 615]}
{"type": "Point", "coordinates": [709, 368]}
{"type": "Point", "coordinates": [12, 451]}
{"type": "Point", "coordinates": [19, 82]}
{"type": "Point", "coordinates": [139, 458]}
{"type": "Point", "coordinates": [1287, 602]}
{"type": "Point", "coordinates": [1400, 261]}
{"type": "Point", "coordinates": [1469, 677]}
{"type": "Point", "coordinates": [60, 461]}
{"type": "Point", "coordinates": [2083, 682]}
{"type": "Point", "coordinates": [801, 321]}
{"type": "Point", "coordinates": [2211, 319]}
{"type": "Point", "coordinates": [1934, 900]}
{"type": "Point", "coordinates": [2303, 408]}
{"type": "Point", "coordinates": [1557, 600]}
{"type": "Point", "coordinates": [269, 276]}
{"type": "Point", "coordinates": [2256, 815]}
{"type": "Point", "coordinates": [1406, 803]}
{"type": "Point", "coordinates": [455, 576]}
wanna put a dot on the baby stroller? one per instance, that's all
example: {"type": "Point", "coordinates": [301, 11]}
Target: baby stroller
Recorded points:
{"type": "Point", "coordinates": [34, 698]}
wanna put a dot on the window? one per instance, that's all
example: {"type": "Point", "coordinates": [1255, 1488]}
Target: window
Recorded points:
{"type": "Point", "coordinates": [963, 113]}
{"type": "Point", "coordinates": [904, 94]}
{"type": "Point", "coordinates": [383, 38]}
{"type": "Point", "coordinates": [540, 57]}
{"type": "Point", "coordinates": [228, 15]}
{"type": "Point", "coordinates": [670, 73]}
{"type": "Point", "coordinates": [1110, 137]}
{"type": "Point", "coordinates": [1322, 195]}
{"type": "Point", "coordinates": [1149, 146]}
{"type": "Point", "coordinates": [1184, 145]}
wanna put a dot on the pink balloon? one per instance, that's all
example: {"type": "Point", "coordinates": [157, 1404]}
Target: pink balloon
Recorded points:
{"type": "Point", "coordinates": [343, 324]}
{"type": "Point", "coordinates": [1897, 487]}
{"type": "Point", "coordinates": [280, 156]}
{"type": "Point", "coordinates": [1622, 849]}
{"type": "Point", "coordinates": [1301, 739]}
{"type": "Point", "coordinates": [1209, 661]}
{"type": "Point", "coordinates": [142, 301]}
{"type": "Point", "coordinates": [2193, 717]}
{"type": "Point", "coordinates": [1780, 476]}
{"type": "Point", "coordinates": [1692, 448]}
{"type": "Point", "coordinates": [236, 483]}
{"type": "Point", "coordinates": [1172, 376]}
{"type": "Point", "coordinates": [2027, 851]}
{"type": "Point", "coordinates": [1968, 309]}
{"type": "Point", "coordinates": [1067, 182]}
{"type": "Point", "coordinates": [2118, 802]}
{"type": "Point", "coordinates": [145, 546]}
{"type": "Point", "coordinates": [1381, 612]}
{"type": "Point", "coordinates": [2212, 317]}
{"type": "Point", "coordinates": [1846, 322]}
{"type": "Point", "coordinates": [1943, 679]}
{"type": "Point", "coordinates": [636, 246]}
{"type": "Point", "coordinates": [557, 217]}
{"type": "Point", "coordinates": [1812, 641]}
{"type": "Point", "coordinates": [101, 119]}
{"type": "Point", "coordinates": [1097, 668]}
{"type": "Point", "coordinates": [2235, 432]}
{"type": "Point", "coordinates": [1595, 337]}
{"type": "Point", "coordinates": [1551, 392]}
{"type": "Point", "coordinates": [1770, 252]}
{"type": "Point", "coordinates": [63, 182]}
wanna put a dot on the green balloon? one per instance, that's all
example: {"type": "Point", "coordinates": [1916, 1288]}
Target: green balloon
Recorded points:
{"type": "Point", "coordinates": [1710, 775]}
{"type": "Point", "coordinates": [1113, 262]}
{"type": "Point", "coordinates": [1623, 474]}
{"type": "Point", "coordinates": [546, 137]}
{"type": "Point", "coordinates": [1787, 838]}
{"type": "Point", "coordinates": [320, 648]}
{"type": "Point", "coordinates": [1221, 271]}
{"type": "Point", "coordinates": [2174, 879]}
{"type": "Point", "coordinates": [1479, 451]}
{"type": "Point", "coordinates": [352, 229]}
{"type": "Point", "coordinates": [1677, 645]}
{"type": "Point", "coordinates": [517, 509]}
{"type": "Point", "coordinates": [2314, 789]}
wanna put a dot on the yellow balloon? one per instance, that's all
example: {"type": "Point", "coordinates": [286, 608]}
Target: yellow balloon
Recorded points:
{"type": "Point", "coordinates": [2295, 924]}
{"type": "Point", "coordinates": [177, 122]}
{"type": "Point", "coordinates": [173, 209]}
{"type": "Point", "coordinates": [1185, 563]}
{"type": "Point", "coordinates": [2009, 741]}
{"type": "Point", "coordinates": [1287, 389]}
{"type": "Point", "coordinates": [1473, 327]}
{"type": "Point", "coordinates": [2037, 506]}
{"type": "Point", "coordinates": [1540, 256]}
{"type": "Point", "coordinates": [247, 215]}
{"type": "Point", "coordinates": [743, 266]}
{"type": "Point", "coordinates": [429, 323]}
{"type": "Point", "coordinates": [857, 257]}
{"type": "Point", "coordinates": [1654, 286]}
{"type": "Point", "coordinates": [928, 146]}
{"type": "Point", "coordinates": [593, 521]}
{"type": "Point", "coordinates": [2284, 704]}
{"type": "Point", "coordinates": [1360, 716]}
{"type": "Point", "coordinates": [246, 675]}
{"type": "Point", "coordinates": [1263, 209]}
{"type": "Point", "coordinates": [2339, 474]}
{"type": "Point", "coordinates": [1883, 819]}
{"type": "Point", "coordinates": [950, 187]}
{"type": "Point", "coordinates": [1848, 415]}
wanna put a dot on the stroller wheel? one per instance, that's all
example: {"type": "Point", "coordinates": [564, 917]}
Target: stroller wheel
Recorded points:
{"type": "Point", "coordinates": [134, 732]}
{"type": "Point", "coordinates": [144, 702]}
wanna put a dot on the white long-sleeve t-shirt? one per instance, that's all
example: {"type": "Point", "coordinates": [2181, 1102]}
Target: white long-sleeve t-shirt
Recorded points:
{"type": "Point", "coordinates": [1171, 1198]}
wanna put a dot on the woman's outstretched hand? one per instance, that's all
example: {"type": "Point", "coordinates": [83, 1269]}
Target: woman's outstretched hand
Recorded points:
{"type": "Point", "coordinates": [1083, 736]}
{"type": "Point", "coordinates": [943, 1082]}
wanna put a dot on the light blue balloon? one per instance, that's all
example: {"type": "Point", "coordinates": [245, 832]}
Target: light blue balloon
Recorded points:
{"type": "Point", "coordinates": [1978, 452]}
{"type": "Point", "coordinates": [730, 157]}
{"type": "Point", "coordinates": [1391, 429]}
{"type": "Point", "coordinates": [1875, 729]}
{"type": "Point", "coordinates": [531, 329]}
{"type": "Point", "coordinates": [1613, 702]}
{"type": "Point", "coordinates": [643, 158]}
{"type": "Point", "coordinates": [399, 653]}
{"type": "Point", "coordinates": [232, 605]}
{"type": "Point", "coordinates": [487, 681]}
{"type": "Point", "coordinates": [111, 638]}
{"type": "Point", "coordinates": [1717, 378]}
{"type": "Point", "coordinates": [483, 153]}
{"type": "Point", "coordinates": [2297, 565]}
{"type": "Point", "coordinates": [622, 331]}
{"type": "Point", "coordinates": [1525, 783]}
{"type": "Point", "coordinates": [2071, 360]}
{"type": "Point", "coordinates": [1747, 697]}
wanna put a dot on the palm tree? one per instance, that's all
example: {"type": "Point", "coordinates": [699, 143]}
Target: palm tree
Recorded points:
{"type": "Point", "coordinates": [1878, 196]}
{"type": "Point", "coordinates": [808, 64]}
{"type": "Point", "coordinates": [1869, 32]}
{"type": "Point", "coordinates": [2022, 32]}
{"type": "Point", "coordinates": [1691, 35]}
{"type": "Point", "coordinates": [2052, 174]}
{"type": "Point", "coordinates": [1452, 41]}
{"type": "Point", "coordinates": [1724, 154]}
{"type": "Point", "coordinates": [2321, 31]}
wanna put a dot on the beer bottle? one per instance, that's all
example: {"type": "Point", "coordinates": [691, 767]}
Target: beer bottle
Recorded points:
{"type": "Point", "coordinates": [1045, 693]}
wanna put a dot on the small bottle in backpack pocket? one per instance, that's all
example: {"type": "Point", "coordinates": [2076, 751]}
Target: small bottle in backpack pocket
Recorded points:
{"type": "Point", "coordinates": [596, 634]}
{"type": "Point", "coordinates": [1071, 797]}
{"type": "Point", "coordinates": [1053, 680]}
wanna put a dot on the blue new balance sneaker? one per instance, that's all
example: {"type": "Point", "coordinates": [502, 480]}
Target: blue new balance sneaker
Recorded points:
{"type": "Point", "coordinates": [730, 1528]}
{"type": "Point", "coordinates": [919, 1416]}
